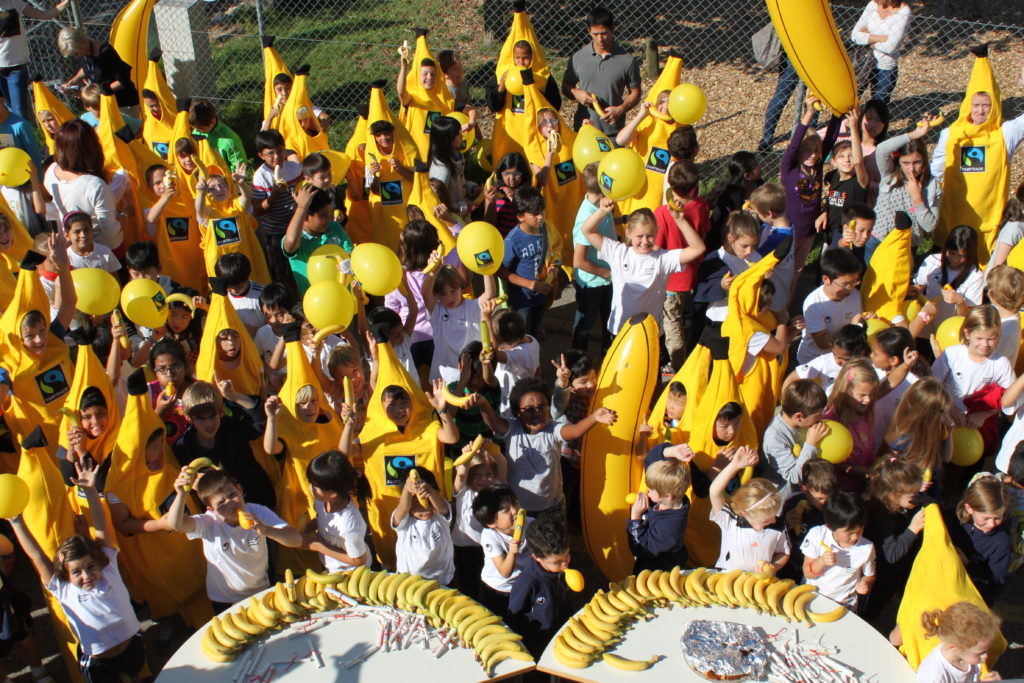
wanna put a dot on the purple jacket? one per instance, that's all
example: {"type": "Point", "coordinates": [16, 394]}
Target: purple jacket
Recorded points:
{"type": "Point", "coordinates": [803, 208]}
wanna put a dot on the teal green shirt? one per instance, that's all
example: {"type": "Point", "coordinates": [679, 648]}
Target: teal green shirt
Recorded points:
{"type": "Point", "coordinates": [226, 142]}
{"type": "Point", "coordinates": [308, 243]}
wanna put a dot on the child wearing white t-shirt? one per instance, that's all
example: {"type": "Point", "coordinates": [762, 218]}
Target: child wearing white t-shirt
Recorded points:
{"type": "Point", "coordinates": [83, 250]}
{"type": "Point", "coordinates": [484, 468]}
{"type": "Point", "coordinates": [640, 271]}
{"type": "Point", "coordinates": [834, 304]}
{"type": "Point", "coordinates": [422, 520]}
{"type": "Point", "coordinates": [837, 557]}
{"type": "Point", "coordinates": [85, 580]}
{"type": "Point", "coordinates": [752, 536]}
{"type": "Point", "coordinates": [1006, 292]}
{"type": "Point", "coordinates": [496, 508]}
{"type": "Point", "coordinates": [965, 632]}
{"type": "Point", "coordinates": [454, 319]}
{"type": "Point", "coordinates": [234, 535]}
{"type": "Point", "coordinates": [952, 278]}
{"type": "Point", "coordinates": [851, 341]}
{"type": "Point", "coordinates": [516, 353]}
{"type": "Point", "coordinates": [340, 536]}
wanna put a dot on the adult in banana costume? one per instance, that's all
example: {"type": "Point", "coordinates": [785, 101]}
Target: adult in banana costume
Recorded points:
{"type": "Point", "coordinates": [391, 155]}
{"type": "Point", "coordinates": [973, 159]}
{"type": "Point", "coordinates": [166, 570]}
{"type": "Point", "coordinates": [33, 351]}
{"type": "Point", "coordinates": [521, 50]}
{"type": "Point", "coordinates": [226, 351]}
{"type": "Point", "coordinates": [159, 109]}
{"type": "Point", "coordinates": [422, 92]}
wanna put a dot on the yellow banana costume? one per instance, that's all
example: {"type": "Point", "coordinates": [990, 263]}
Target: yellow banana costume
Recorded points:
{"type": "Point", "coordinates": [114, 137]}
{"type": "Point", "coordinates": [651, 141]}
{"type": "Point", "coordinates": [296, 137]}
{"type": "Point", "coordinates": [977, 176]}
{"type": "Point", "coordinates": [694, 376]}
{"type": "Point", "coordinates": [703, 537]}
{"type": "Point", "coordinates": [563, 191]}
{"type": "Point", "coordinates": [89, 372]}
{"type": "Point", "coordinates": [210, 159]}
{"type": "Point", "coordinates": [611, 465]}
{"type": "Point", "coordinates": [511, 122]}
{"type": "Point", "coordinates": [272, 66]}
{"type": "Point", "coordinates": [157, 132]}
{"type": "Point", "coordinates": [45, 100]}
{"type": "Point", "coordinates": [937, 580]}
{"type": "Point", "coordinates": [51, 520]}
{"type": "Point", "coordinates": [424, 105]}
{"type": "Point", "coordinates": [230, 229]}
{"type": "Point", "coordinates": [40, 382]}
{"type": "Point", "coordinates": [129, 34]}
{"type": "Point", "coordinates": [247, 375]}
{"type": "Point", "coordinates": [387, 206]}
{"type": "Point", "coordinates": [887, 278]}
{"type": "Point", "coordinates": [7, 285]}
{"type": "Point", "coordinates": [22, 242]}
{"type": "Point", "coordinates": [360, 223]}
{"type": "Point", "coordinates": [422, 196]}
{"type": "Point", "coordinates": [387, 451]}
{"type": "Point", "coordinates": [167, 569]}
{"type": "Point", "coordinates": [757, 385]}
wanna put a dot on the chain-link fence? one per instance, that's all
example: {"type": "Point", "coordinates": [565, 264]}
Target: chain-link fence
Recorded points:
{"type": "Point", "coordinates": [351, 43]}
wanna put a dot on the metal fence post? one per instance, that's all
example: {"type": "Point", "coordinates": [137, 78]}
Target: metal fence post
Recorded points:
{"type": "Point", "coordinates": [259, 19]}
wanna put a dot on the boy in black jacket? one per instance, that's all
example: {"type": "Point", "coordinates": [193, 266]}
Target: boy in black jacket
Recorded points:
{"type": "Point", "coordinates": [538, 605]}
{"type": "Point", "coordinates": [658, 518]}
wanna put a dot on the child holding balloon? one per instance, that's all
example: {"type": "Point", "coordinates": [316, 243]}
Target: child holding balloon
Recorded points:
{"type": "Point", "coordinates": [311, 227]}
{"type": "Point", "coordinates": [455, 320]}
{"type": "Point", "coordinates": [953, 280]}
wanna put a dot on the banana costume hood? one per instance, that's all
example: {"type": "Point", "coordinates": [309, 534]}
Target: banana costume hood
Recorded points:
{"type": "Point", "coordinates": [247, 377]}
{"type": "Point", "coordinates": [115, 137]}
{"type": "Point", "coordinates": [422, 196]}
{"type": "Point", "coordinates": [937, 580]}
{"type": "Point", "coordinates": [511, 122]}
{"type": "Point", "coordinates": [231, 229]}
{"type": "Point", "coordinates": [758, 388]}
{"type": "Point", "coordinates": [45, 100]}
{"type": "Point", "coordinates": [360, 225]}
{"type": "Point", "coordinates": [298, 108]}
{"type": "Point", "coordinates": [129, 35]}
{"type": "Point", "coordinates": [167, 568]}
{"type": "Point", "coordinates": [157, 132]}
{"type": "Point", "coordinates": [22, 241]}
{"type": "Point", "coordinates": [424, 105]}
{"type": "Point", "coordinates": [90, 373]}
{"type": "Point", "coordinates": [887, 278]}
{"type": "Point", "coordinates": [977, 176]}
{"type": "Point", "coordinates": [272, 66]}
{"type": "Point", "coordinates": [40, 383]}
{"type": "Point", "coordinates": [387, 206]}
{"type": "Point", "coordinates": [651, 141]}
{"type": "Point", "coordinates": [563, 191]}
{"type": "Point", "coordinates": [703, 537]}
{"type": "Point", "coordinates": [387, 450]}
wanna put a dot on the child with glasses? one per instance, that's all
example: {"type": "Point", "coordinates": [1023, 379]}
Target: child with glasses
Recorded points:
{"type": "Point", "coordinates": [835, 303]}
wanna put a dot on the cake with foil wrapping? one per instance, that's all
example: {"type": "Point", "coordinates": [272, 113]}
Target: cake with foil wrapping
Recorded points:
{"type": "Point", "coordinates": [724, 650]}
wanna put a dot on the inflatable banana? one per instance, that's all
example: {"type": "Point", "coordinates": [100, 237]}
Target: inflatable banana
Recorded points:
{"type": "Point", "coordinates": [563, 190]}
{"type": "Point", "coordinates": [977, 176]}
{"type": "Point", "coordinates": [887, 278]}
{"type": "Point", "coordinates": [231, 229]}
{"type": "Point", "coordinates": [272, 66]}
{"type": "Point", "coordinates": [247, 377]}
{"type": "Point", "coordinates": [387, 451]}
{"type": "Point", "coordinates": [511, 122]}
{"type": "Point", "coordinates": [129, 34]}
{"type": "Point", "coordinates": [812, 42]}
{"type": "Point", "coordinates": [424, 105]}
{"type": "Point", "coordinates": [303, 138]}
{"type": "Point", "coordinates": [46, 105]}
{"type": "Point", "coordinates": [610, 468]}
{"type": "Point", "coordinates": [937, 580]}
{"type": "Point", "coordinates": [360, 223]}
{"type": "Point", "coordinates": [651, 141]}
{"type": "Point", "coordinates": [168, 568]}
{"type": "Point", "coordinates": [40, 382]}
{"type": "Point", "coordinates": [387, 205]}
{"type": "Point", "coordinates": [157, 131]}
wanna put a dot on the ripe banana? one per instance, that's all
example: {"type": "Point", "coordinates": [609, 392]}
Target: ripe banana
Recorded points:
{"type": "Point", "coordinates": [596, 105]}
{"type": "Point", "coordinates": [554, 141]}
{"type": "Point", "coordinates": [517, 531]}
{"type": "Point", "coordinates": [194, 467]}
{"type": "Point", "coordinates": [230, 630]}
{"type": "Point", "coordinates": [641, 584]}
{"type": "Point", "coordinates": [570, 658]}
{"type": "Point", "coordinates": [653, 111]}
{"type": "Point", "coordinates": [474, 447]}
{"type": "Point", "coordinates": [615, 598]}
{"type": "Point", "coordinates": [215, 652]}
{"type": "Point", "coordinates": [501, 655]}
{"type": "Point", "coordinates": [666, 588]}
{"type": "Point", "coordinates": [599, 624]}
{"type": "Point", "coordinates": [220, 636]}
{"type": "Point", "coordinates": [414, 477]}
{"type": "Point", "coordinates": [827, 617]}
{"type": "Point", "coordinates": [774, 592]}
{"type": "Point", "coordinates": [350, 393]}
{"type": "Point", "coordinates": [203, 172]}
{"type": "Point", "coordinates": [403, 50]}
{"type": "Point", "coordinates": [375, 584]}
{"type": "Point", "coordinates": [724, 588]}
{"type": "Point", "coordinates": [118, 321]}
{"type": "Point", "coordinates": [800, 607]}
{"type": "Point", "coordinates": [937, 121]}
{"type": "Point", "coordinates": [789, 602]}
{"type": "Point", "coordinates": [241, 621]}
{"type": "Point", "coordinates": [694, 585]}
{"type": "Point", "coordinates": [326, 579]}
{"type": "Point", "coordinates": [453, 400]}
{"type": "Point", "coordinates": [283, 602]}
{"type": "Point", "coordinates": [624, 664]}
{"type": "Point", "coordinates": [169, 176]}
{"type": "Point", "coordinates": [579, 645]}
{"type": "Point", "coordinates": [581, 633]}
{"type": "Point", "coordinates": [278, 178]}
{"type": "Point", "coordinates": [485, 337]}
{"type": "Point", "coordinates": [434, 265]}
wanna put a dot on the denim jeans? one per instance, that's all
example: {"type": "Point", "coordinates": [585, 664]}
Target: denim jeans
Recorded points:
{"type": "Point", "coordinates": [788, 80]}
{"type": "Point", "coordinates": [870, 247]}
{"type": "Point", "coordinates": [593, 305]}
{"type": "Point", "coordinates": [14, 88]}
{"type": "Point", "coordinates": [883, 82]}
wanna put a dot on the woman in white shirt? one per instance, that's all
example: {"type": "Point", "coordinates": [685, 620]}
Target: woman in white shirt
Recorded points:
{"type": "Point", "coordinates": [77, 181]}
{"type": "Point", "coordinates": [883, 26]}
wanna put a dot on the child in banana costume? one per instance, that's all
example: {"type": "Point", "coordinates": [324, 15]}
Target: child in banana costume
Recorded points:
{"type": "Point", "coordinates": [226, 224]}
{"type": "Point", "coordinates": [422, 91]}
{"type": "Point", "coordinates": [159, 108]}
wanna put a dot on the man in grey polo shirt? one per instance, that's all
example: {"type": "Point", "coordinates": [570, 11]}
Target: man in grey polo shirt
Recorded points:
{"type": "Point", "coordinates": [602, 69]}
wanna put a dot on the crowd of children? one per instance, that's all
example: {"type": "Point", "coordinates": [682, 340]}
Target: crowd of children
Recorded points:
{"type": "Point", "coordinates": [324, 442]}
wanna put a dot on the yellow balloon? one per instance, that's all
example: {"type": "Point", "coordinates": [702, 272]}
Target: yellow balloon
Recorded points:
{"type": "Point", "coordinates": [968, 446]}
{"type": "Point", "coordinates": [377, 268]}
{"type": "Point", "coordinates": [913, 308]}
{"type": "Point", "coordinates": [514, 81]}
{"type": "Point", "coordinates": [330, 250]}
{"type": "Point", "coordinates": [590, 145]}
{"type": "Point", "coordinates": [13, 495]}
{"type": "Point", "coordinates": [322, 267]}
{"type": "Point", "coordinates": [484, 159]}
{"type": "Point", "coordinates": [837, 445]}
{"type": "Point", "coordinates": [687, 103]}
{"type": "Point", "coordinates": [469, 136]}
{"type": "Point", "coordinates": [15, 167]}
{"type": "Point", "coordinates": [145, 303]}
{"type": "Point", "coordinates": [948, 333]}
{"type": "Point", "coordinates": [329, 303]}
{"type": "Point", "coordinates": [621, 174]}
{"type": "Point", "coordinates": [481, 248]}
{"type": "Point", "coordinates": [339, 164]}
{"type": "Point", "coordinates": [96, 289]}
